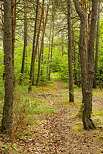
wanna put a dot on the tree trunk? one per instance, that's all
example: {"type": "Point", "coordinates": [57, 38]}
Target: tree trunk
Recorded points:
{"type": "Point", "coordinates": [51, 39]}
{"type": "Point", "coordinates": [13, 27]}
{"type": "Point", "coordinates": [49, 58]}
{"type": "Point", "coordinates": [97, 44]}
{"type": "Point", "coordinates": [87, 57]}
{"type": "Point", "coordinates": [71, 89]}
{"type": "Point", "coordinates": [33, 49]}
{"type": "Point", "coordinates": [74, 58]}
{"type": "Point", "coordinates": [25, 40]}
{"type": "Point", "coordinates": [7, 120]}
{"type": "Point", "coordinates": [42, 46]}
{"type": "Point", "coordinates": [87, 122]}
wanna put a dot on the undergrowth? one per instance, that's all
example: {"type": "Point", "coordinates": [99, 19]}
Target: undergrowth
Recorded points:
{"type": "Point", "coordinates": [29, 108]}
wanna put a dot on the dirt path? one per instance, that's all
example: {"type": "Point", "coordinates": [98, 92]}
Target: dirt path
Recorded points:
{"type": "Point", "coordinates": [61, 132]}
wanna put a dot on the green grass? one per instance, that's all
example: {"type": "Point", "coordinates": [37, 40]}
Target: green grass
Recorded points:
{"type": "Point", "coordinates": [41, 110]}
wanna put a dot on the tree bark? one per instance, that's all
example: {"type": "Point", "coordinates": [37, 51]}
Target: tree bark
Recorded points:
{"type": "Point", "coordinates": [87, 122]}
{"type": "Point", "coordinates": [97, 45]}
{"type": "Point", "coordinates": [13, 27]}
{"type": "Point", "coordinates": [25, 40]}
{"type": "Point", "coordinates": [6, 123]}
{"type": "Point", "coordinates": [42, 45]}
{"type": "Point", "coordinates": [51, 40]}
{"type": "Point", "coordinates": [87, 61]}
{"type": "Point", "coordinates": [49, 57]}
{"type": "Point", "coordinates": [74, 58]}
{"type": "Point", "coordinates": [33, 48]}
{"type": "Point", "coordinates": [71, 89]}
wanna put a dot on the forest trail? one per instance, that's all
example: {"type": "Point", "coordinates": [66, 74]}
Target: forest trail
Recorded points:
{"type": "Point", "coordinates": [61, 132]}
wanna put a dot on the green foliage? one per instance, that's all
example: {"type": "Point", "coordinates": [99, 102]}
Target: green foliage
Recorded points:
{"type": "Point", "coordinates": [100, 57]}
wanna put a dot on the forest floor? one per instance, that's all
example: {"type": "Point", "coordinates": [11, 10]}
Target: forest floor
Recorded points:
{"type": "Point", "coordinates": [56, 128]}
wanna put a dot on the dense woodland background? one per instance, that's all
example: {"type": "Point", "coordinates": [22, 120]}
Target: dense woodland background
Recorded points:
{"type": "Point", "coordinates": [45, 42]}
{"type": "Point", "coordinates": [53, 39]}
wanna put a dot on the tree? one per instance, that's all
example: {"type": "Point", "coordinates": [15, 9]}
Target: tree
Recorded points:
{"type": "Point", "coordinates": [42, 45]}
{"type": "Point", "coordinates": [13, 27]}
{"type": "Point", "coordinates": [7, 120]}
{"type": "Point", "coordinates": [87, 61]}
{"type": "Point", "coordinates": [34, 48]}
{"type": "Point", "coordinates": [71, 90]}
{"type": "Point", "coordinates": [51, 40]}
{"type": "Point", "coordinates": [97, 45]}
{"type": "Point", "coordinates": [25, 40]}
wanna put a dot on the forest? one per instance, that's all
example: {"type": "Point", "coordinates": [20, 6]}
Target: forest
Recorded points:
{"type": "Point", "coordinates": [51, 76]}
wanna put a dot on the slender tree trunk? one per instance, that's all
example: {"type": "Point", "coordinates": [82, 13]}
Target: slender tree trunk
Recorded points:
{"type": "Point", "coordinates": [79, 70]}
{"type": "Point", "coordinates": [74, 58]}
{"type": "Point", "coordinates": [33, 49]}
{"type": "Point", "coordinates": [13, 27]}
{"type": "Point", "coordinates": [13, 12]}
{"type": "Point", "coordinates": [49, 58]}
{"type": "Point", "coordinates": [71, 89]}
{"type": "Point", "coordinates": [6, 123]}
{"type": "Point", "coordinates": [97, 44]}
{"type": "Point", "coordinates": [62, 47]}
{"type": "Point", "coordinates": [42, 46]}
{"type": "Point", "coordinates": [25, 40]}
{"type": "Point", "coordinates": [2, 19]}
{"type": "Point", "coordinates": [51, 41]}
{"type": "Point", "coordinates": [37, 40]}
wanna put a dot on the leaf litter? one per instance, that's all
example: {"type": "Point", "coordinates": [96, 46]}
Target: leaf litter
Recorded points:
{"type": "Point", "coordinates": [59, 132]}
